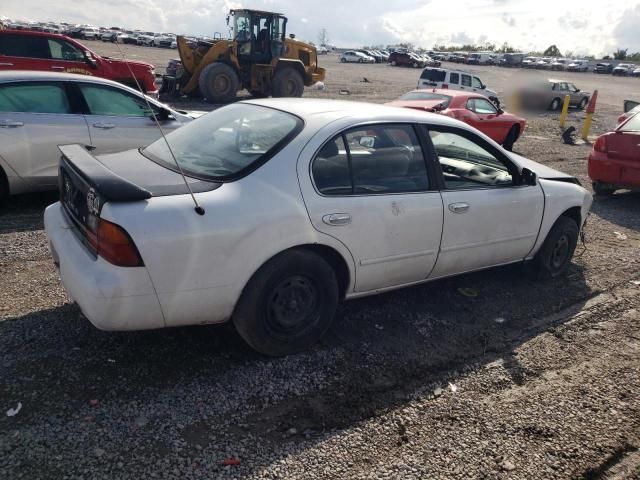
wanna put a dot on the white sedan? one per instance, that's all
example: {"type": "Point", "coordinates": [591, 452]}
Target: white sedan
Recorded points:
{"type": "Point", "coordinates": [39, 111]}
{"type": "Point", "coordinates": [356, 57]}
{"type": "Point", "coordinates": [301, 203]}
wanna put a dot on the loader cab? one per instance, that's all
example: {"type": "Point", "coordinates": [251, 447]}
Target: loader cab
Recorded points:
{"type": "Point", "coordinates": [259, 35]}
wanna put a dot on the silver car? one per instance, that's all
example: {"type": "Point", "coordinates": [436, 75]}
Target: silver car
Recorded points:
{"type": "Point", "coordinates": [40, 110]}
{"type": "Point", "coordinates": [550, 95]}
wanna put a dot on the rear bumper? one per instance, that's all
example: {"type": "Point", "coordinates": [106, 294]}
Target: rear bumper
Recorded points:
{"type": "Point", "coordinates": [112, 298]}
{"type": "Point", "coordinates": [620, 173]}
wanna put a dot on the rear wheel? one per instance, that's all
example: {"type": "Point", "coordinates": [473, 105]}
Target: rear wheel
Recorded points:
{"type": "Point", "coordinates": [219, 83]}
{"type": "Point", "coordinates": [555, 255]}
{"type": "Point", "coordinates": [288, 304]}
{"type": "Point", "coordinates": [4, 187]}
{"type": "Point", "coordinates": [511, 138]}
{"type": "Point", "coordinates": [287, 82]}
{"type": "Point", "coordinates": [360, 60]}
{"type": "Point", "coordinates": [343, 60]}
{"type": "Point", "coordinates": [555, 104]}
{"type": "Point", "coordinates": [583, 104]}
{"type": "Point", "coordinates": [393, 63]}
{"type": "Point", "coordinates": [603, 189]}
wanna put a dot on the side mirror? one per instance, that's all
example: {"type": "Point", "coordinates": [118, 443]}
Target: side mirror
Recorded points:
{"type": "Point", "coordinates": [89, 60]}
{"type": "Point", "coordinates": [500, 111]}
{"type": "Point", "coordinates": [577, 90]}
{"type": "Point", "coordinates": [163, 114]}
{"type": "Point", "coordinates": [528, 177]}
{"type": "Point", "coordinates": [367, 141]}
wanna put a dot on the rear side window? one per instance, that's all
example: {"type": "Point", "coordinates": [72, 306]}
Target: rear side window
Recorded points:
{"type": "Point", "coordinates": [24, 46]}
{"type": "Point", "coordinates": [433, 75]}
{"type": "Point", "coordinates": [632, 125]}
{"type": "Point", "coordinates": [377, 159]}
{"type": "Point", "coordinates": [454, 78]}
{"type": "Point", "coordinates": [34, 98]}
{"type": "Point", "coordinates": [110, 101]}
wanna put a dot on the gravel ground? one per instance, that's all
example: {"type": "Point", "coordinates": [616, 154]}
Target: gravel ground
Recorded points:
{"type": "Point", "coordinates": [525, 380]}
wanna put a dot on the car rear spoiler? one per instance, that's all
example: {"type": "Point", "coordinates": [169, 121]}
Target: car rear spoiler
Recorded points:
{"type": "Point", "coordinates": [110, 186]}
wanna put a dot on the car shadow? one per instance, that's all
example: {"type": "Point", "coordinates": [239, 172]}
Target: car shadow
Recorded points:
{"type": "Point", "coordinates": [202, 383]}
{"type": "Point", "coordinates": [25, 212]}
{"type": "Point", "coordinates": [621, 208]}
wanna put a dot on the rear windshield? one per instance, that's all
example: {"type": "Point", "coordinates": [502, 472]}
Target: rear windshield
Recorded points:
{"type": "Point", "coordinates": [632, 125]}
{"type": "Point", "coordinates": [435, 97]}
{"type": "Point", "coordinates": [226, 143]}
{"type": "Point", "coordinates": [433, 75]}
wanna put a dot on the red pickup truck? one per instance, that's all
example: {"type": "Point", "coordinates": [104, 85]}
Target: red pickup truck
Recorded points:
{"type": "Point", "coordinates": [26, 50]}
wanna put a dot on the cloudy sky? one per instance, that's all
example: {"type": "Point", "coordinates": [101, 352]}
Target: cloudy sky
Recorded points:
{"type": "Point", "coordinates": [586, 26]}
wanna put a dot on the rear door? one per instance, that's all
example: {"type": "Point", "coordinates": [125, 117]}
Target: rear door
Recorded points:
{"type": "Point", "coordinates": [489, 217]}
{"type": "Point", "coordinates": [67, 57]}
{"type": "Point", "coordinates": [24, 52]}
{"type": "Point", "coordinates": [36, 117]}
{"type": "Point", "coordinates": [369, 188]}
{"type": "Point", "coordinates": [118, 119]}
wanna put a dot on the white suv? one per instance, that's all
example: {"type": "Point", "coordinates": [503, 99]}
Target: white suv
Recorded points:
{"type": "Point", "coordinates": [455, 80]}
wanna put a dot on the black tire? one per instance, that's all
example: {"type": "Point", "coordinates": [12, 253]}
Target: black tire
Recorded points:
{"type": "Point", "coordinates": [287, 82]}
{"type": "Point", "coordinates": [4, 187]}
{"type": "Point", "coordinates": [557, 250]}
{"type": "Point", "coordinates": [602, 189]}
{"type": "Point", "coordinates": [218, 83]}
{"type": "Point", "coordinates": [288, 304]}
{"type": "Point", "coordinates": [415, 65]}
{"type": "Point", "coordinates": [393, 63]}
{"type": "Point", "coordinates": [583, 104]}
{"type": "Point", "coordinates": [555, 104]}
{"type": "Point", "coordinates": [512, 136]}
{"type": "Point", "coordinates": [258, 94]}
{"type": "Point", "coordinates": [360, 60]}
{"type": "Point", "coordinates": [343, 60]}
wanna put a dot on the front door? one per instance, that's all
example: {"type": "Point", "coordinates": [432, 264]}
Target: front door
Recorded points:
{"type": "Point", "coordinates": [489, 219]}
{"type": "Point", "coordinates": [119, 120]}
{"type": "Point", "coordinates": [36, 117]}
{"type": "Point", "coordinates": [369, 188]}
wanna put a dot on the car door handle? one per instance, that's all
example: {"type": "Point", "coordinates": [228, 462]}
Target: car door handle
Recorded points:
{"type": "Point", "coordinates": [10, 124]}
{"type": "Point", "coordinates": [105, 126]}
{"type": "Point", "coordinates": [337, 219]}
{"type": "Point", "coordinates": [56, 67]}
{"type": "Point", "coordinates": [5, 64]}
{"type": "Point", "coordinates": [458, 207]}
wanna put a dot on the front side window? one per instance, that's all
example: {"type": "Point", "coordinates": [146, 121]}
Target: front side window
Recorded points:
{"type": "Point", "coordinates": [481, 106]}
{"type": "Point", "coordinates": [466, 80]}
{"type": "Point", "coordinates": [227, 142]}
{"type": "Point", "coordinates": [466, 164]}
{"type": "Point", "coordinates": [376, 159]}
{"type": "Point", "coordinates": [34, 97]}
{"type": "Point", "coordinates": [113, 102]}
{"type": "Point", "coordinates": [61, 50]}
{"type": "Point", "coordinates": [477, 83]}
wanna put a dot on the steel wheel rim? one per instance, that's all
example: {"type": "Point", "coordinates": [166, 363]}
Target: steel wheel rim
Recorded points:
{"type": "Point", "coordinates": [560, 252]}
{"type": "Point", "coordinates": [221, 84]}
{"type": "Point", "coordinates": [291, 304]}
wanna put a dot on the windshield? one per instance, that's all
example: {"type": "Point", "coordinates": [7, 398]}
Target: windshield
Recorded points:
{"type": "Point", "coordinates": [435, 97]}
{"type": "Point", "coordinates": [224, 143]}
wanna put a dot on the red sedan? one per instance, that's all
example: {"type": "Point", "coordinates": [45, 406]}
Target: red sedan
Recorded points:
{"type": "Point", "coordinates": [472, 108]}
{"type": "Point", "coordinates": [614, 162]}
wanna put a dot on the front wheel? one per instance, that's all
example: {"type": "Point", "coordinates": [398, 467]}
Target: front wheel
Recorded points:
{"type": "Point", "coordinates": [343, 60]}
{"type": "Point", "coordinates": [288, 304]}
{"type": "Point", "coordinates": [218, 83]}
{"type": "Point", "coordinates": [287, 82]}
{"type": "Point", "coordinates": [555, 255]}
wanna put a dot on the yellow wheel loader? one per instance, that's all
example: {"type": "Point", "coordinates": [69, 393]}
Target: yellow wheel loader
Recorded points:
{"type": "Point", "coordinates": [258, 57]}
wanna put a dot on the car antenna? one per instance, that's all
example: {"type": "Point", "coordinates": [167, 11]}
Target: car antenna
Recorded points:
{"type": "Point", "coordinates": [199, 210]}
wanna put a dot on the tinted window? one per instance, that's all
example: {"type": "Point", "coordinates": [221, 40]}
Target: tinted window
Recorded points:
{"type": "Point", "coordinates": [466, 164]}
{"type": "Point", "coordinates": [428, 96]}
{"type": "Point", "coordinates": [379, 159]}
{"type": "Point", "coordinates": [61, 50]}
{"type": "Point", "coordinates": [110, 101]}
{"type": "Point", "coordinates": [34, 98]}
{"type": "Point", "coordinates": [466, 80]}
{"type": "Point", "coordinates": [454, 78]}
{"type": "Point", "coordinates": [477, 83]}
{"type": "Point", "coordinates": [24, 46]}
{"type": "Point", "coordinates": [226, 142]}
{"type": "Point", "coordinates": [433, 75]}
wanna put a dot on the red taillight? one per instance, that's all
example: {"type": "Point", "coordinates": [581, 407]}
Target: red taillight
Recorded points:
{"type": "Point", "coordinates": [114, 244]}
{"type": "Point", "coordinates": [601, 144]}
{"type": "Point", "coordinates": [445, 85]}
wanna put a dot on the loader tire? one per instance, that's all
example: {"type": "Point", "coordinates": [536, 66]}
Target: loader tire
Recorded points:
{"type": "Point", "coordinates": [287, 82]}
{"type": "Point", "coordinates": [218, 83]}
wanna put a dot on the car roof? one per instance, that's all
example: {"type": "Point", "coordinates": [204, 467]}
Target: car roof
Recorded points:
{"type": "Point", "coordinates": [307, 108]}
{"type": "Point", "coordinates": [34, 75]}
